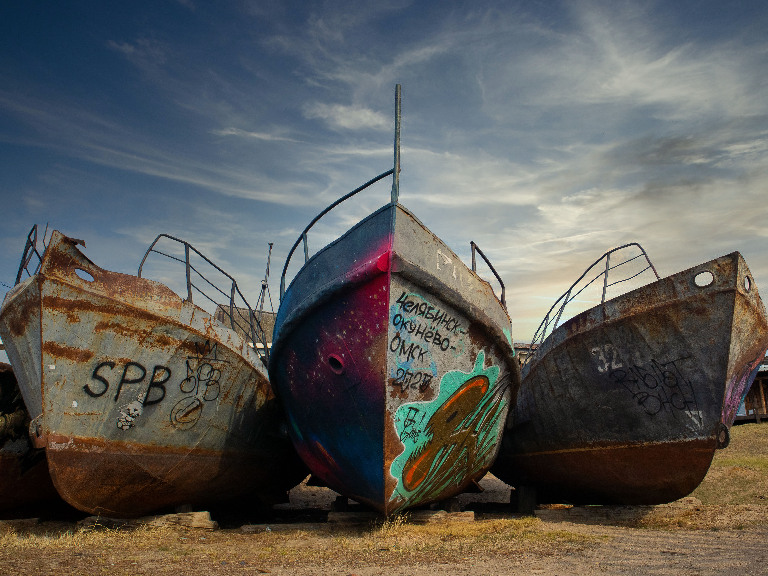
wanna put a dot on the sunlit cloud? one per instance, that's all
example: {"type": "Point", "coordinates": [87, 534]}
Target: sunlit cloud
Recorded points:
{"type": "Point", "coordinates": [267, 137]}
{"type": "Point", "coordinates": [348, 117]}
{"type": "Point", "coordinates": [546, 134]}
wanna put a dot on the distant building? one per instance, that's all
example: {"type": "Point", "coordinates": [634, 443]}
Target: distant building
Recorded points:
{"type": "Point", "coordinates": [240, 323]}
{"type": "Point", "coordinates": [754, 408]}
{"type": "Point", "coordinates": [523, 351]}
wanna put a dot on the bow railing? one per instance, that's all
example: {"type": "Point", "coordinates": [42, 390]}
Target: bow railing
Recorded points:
{"type": "Point", "coordinates": [30, 252]}
{"type": "Point", "coordinates": [556, 313]}
{"type": "Point", "coordinates": [232, 309]}
{"type": "Point", "coordinates": [476, 248]}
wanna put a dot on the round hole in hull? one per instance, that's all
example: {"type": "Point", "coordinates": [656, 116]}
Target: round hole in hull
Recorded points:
{"type": "Point", "coordinates": [83, 275]}
{"type": "Point", "coordinates": [703, 279]}
{"type": "Point", "coordinates": [336, 363]}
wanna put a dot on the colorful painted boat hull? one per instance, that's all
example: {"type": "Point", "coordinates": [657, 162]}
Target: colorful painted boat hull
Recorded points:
{"type": "Point", "coordinates": [394, 363]}
{"type": "Point", "coordinates": [141, 399]}
{"type": "Point", "coordinates": [627, 402]}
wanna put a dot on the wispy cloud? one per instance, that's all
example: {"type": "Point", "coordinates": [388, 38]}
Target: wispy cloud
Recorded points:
{"type": "Point", "coordinates": [348, 117]}
{"type": "Point", "coordinates": [267, 137]}
{"type": "Point", "coordinates": [546, 133]}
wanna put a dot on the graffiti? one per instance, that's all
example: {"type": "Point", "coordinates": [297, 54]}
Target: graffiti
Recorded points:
{"type": "Point", "coordinates": [438, 318]}
{"type": "Point", "coordinates": [202, 384]}
{"type": "Point", "coordinates": [422, 331]}
{"type": "Point", "coordinates": [460, 435]}
{"type": "Point", "coordinates": [607, 358]}
{"type": "Point", "coordinates": [207, 350]}
{"type": "Point", "coordinates": [410, 350]}
{"type": "Point", "coordinates": [412, 419]}
{"type": "Point", "coordinates": [408, 380]}
{"type": "Point", "coordinates": [155, 389]}
{"type": "Point", "coordinates": [659, 386]}
{"type": "Point", "coordinates": [130, 412]}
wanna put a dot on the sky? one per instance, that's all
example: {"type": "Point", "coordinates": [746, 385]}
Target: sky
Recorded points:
{"type": "Point", "coordinates": [546, 132]}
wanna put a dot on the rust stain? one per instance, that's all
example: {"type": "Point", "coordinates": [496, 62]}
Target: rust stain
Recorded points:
{"type": "Point", "coordinates": [61, 261]}
{"type": "Point", "coordinates": [23, 312]}
{"type": "Point", "coordinates": [60, 351]}
{"type": "Point", "coordinates": [141, 336]}
{"type": "Point", "coordinates": [393, 447]}
{"type": "Point", "coordinates": [121, 329]}
{"type": "Point", "coordinates": [71, 306]}
{"type": "Point", "coordinates": [651, 473]}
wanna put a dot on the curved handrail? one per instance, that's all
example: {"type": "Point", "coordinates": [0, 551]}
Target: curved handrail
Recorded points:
{"type": "Point", "coordinates": [303, 235]}
{"type": "Point", "coordinates": [254, 328]}
{"type": "Point", "coordinates": [476, 248]}
{"type": "Point", "coordinates": [30, 249]}
{"type": "Point", "coordinates": [566, 298]}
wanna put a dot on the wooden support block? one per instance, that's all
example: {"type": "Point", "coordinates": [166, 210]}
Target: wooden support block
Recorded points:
{"type": "Point", "coordinates": [352, 518]}
{"type": "Point", "coordinates": [199, 520]}
{"type": "Point", "coordinates": [432, 516]}
{"type": "Point", "coordinates": [523, 499]}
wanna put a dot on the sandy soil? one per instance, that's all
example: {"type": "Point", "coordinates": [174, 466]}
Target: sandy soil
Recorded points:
{"type": "Point", "coordinates": [683, 538]}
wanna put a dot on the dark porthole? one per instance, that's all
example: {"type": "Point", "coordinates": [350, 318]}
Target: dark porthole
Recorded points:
{"type": "Point", "coordinates": [336, 364]}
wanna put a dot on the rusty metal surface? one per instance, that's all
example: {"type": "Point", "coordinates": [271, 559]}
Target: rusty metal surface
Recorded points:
{"type": "Point", "coordinates": [627, 402]}
{"type": "Point", "coordinates": [144, 401]}
{"type": "Point", "coordinates": [395, 365]}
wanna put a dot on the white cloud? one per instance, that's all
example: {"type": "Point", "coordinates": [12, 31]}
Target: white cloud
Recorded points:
{"type": "Point", "coordinates": [265, 136]}
{"type": "Point", "coordinates": [348, 117]}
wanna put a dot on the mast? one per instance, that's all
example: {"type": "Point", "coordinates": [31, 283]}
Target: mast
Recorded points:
{"type": "Point", "coordinates": [396, 173]}
{"type": "Point", "coordinates": [265, 284]}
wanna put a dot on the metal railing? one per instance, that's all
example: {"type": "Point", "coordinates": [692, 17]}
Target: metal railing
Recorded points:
{"type": "Point", "coordinates": [303, 236]}
{"type": "Point", "coordinates": [556, 312]}
{"type": "Point", "coordinates": [394, 195]}
{"type": "Point", "coordinates": [232, 304]}
{"type": "Point", "coordinates": [30, 251]}
{"type": "Point", "coordinates": [476, 248]}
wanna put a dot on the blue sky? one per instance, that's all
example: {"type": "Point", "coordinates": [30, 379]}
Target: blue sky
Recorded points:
{"type": "Point", "coordinates": [547, 132]}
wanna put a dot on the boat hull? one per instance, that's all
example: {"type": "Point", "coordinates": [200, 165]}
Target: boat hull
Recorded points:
{"type": "Point", "coordinates": [25, 484]}
{"type": "Point", "coordinates": [627, 402]}
{"type": "Point", "coordinates": [395, 366]}
{"type": "Point", "coordinates": [141, 400]}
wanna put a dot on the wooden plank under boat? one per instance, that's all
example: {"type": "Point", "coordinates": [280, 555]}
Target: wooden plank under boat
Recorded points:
{"type": "Point", "coordinates": [141, 399]}
{"type": "Point", "coordinates": [627, 402]}
{"type": "Point", "coordinates": [394, 363]}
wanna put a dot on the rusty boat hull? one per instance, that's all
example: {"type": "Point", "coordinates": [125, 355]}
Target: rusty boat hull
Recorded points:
{"type": "Point", "coordinates": [25, 484]}
{"type": "Point", "coordinates": [141, 400]}
{"type": "Point", "coordinates": [394, 363]}
{"type": "Point", "coordinates": [627, 402]}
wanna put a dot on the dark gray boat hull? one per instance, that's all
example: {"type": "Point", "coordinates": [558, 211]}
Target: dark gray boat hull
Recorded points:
{"type": "Point", "coordinates": [627, 402]}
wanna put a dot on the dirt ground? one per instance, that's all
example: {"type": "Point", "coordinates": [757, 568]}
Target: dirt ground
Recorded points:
{"type": "Point", "coordinates": [722, 528]}
{"type": "Point", "coordinates": [683, 538]}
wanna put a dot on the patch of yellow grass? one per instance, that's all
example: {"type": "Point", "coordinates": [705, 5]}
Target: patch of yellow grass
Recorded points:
{"type": "Point", "coordinates": [738, 474]}
{"type": "Point", "coordinates": [44, 538]}
{"type": "Point", "coordinates": [392, 543]}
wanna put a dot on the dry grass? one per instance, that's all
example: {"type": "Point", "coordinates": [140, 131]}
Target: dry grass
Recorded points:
{"type": "Point", "coordinates": [732, 496]}
{"type": "Point", "coordinates": [164, 550]}
{"type": "Point", "coordinates": [739, 474]}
